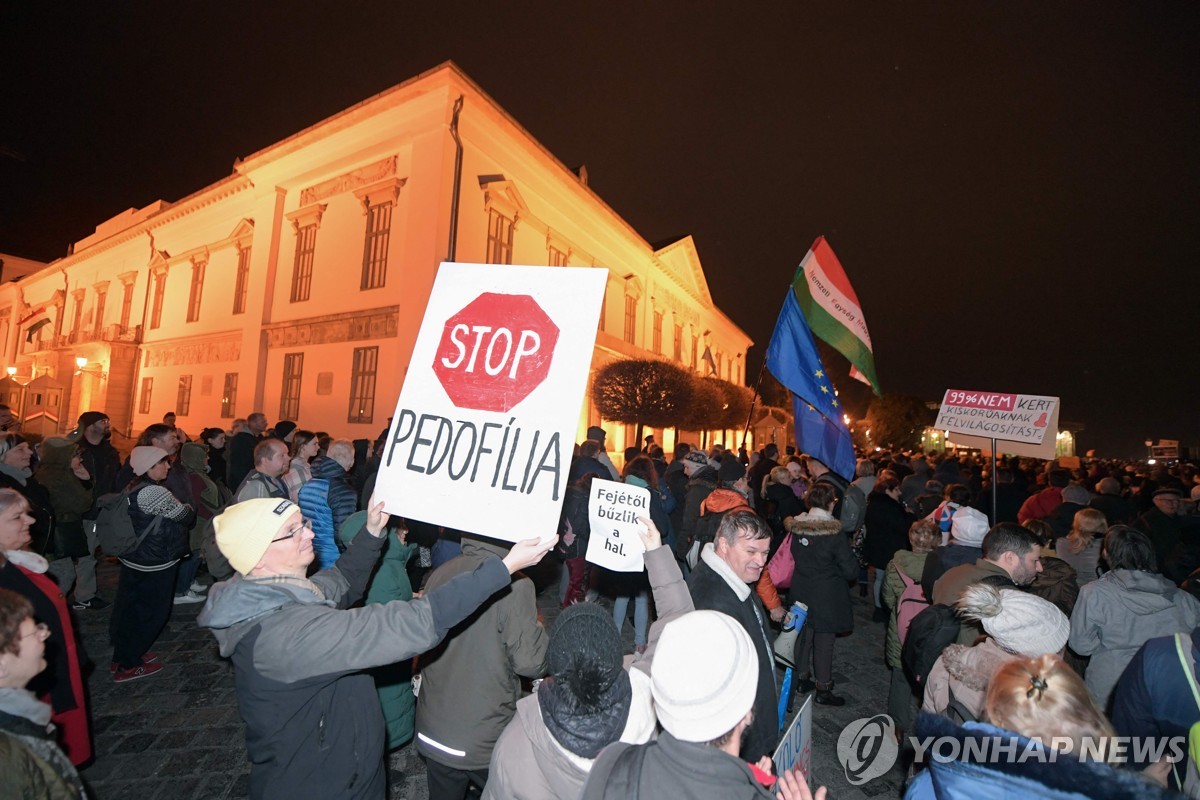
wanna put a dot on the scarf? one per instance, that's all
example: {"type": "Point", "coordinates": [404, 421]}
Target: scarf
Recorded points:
{"type": "Point", "coordinates": [581, 730]}
{"type": "Point", "coordinates": [30, 561]}
{"type": "Point", "coordinates": [18, 475]}
{"type": "Point", "coordinates": [23, 703]}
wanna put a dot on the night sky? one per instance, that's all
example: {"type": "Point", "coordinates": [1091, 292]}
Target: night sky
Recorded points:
{"type": "Point", "coordinates": [1012, 188]}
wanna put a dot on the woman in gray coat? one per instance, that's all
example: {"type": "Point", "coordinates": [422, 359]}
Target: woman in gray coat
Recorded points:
{"type": "Point", "coordinates": [1121, 610]}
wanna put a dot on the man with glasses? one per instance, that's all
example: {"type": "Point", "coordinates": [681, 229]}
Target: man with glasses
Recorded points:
{"type": "Point", "coordinates": [313, 723]}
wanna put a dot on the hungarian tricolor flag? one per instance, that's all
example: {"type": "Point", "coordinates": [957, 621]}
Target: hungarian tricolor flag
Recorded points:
{"type": "Point", "coordinates": [833, 312]}
{"type": "Point", "coordinates": [35, 320]}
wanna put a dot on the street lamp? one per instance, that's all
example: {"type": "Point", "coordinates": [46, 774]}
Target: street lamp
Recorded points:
{"type": "Point", "coordinates": [80, 362]}
{"type": "Point", "coordinates": [1149, 444]}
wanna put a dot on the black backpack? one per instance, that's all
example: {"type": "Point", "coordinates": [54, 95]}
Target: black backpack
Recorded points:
{"type": "Point", "coordinates": [114, 528]}
{"type": "Point", "coordinates": [929, 633]}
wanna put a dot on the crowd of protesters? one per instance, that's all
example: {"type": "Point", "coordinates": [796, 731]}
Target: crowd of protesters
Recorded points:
{"type": "Point", "coordinates": [1063, 605]}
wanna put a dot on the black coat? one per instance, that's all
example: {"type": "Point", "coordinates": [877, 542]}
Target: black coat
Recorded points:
{"type": "Point", "coordinates": [710, 591]}
{"type": "Point", "coordinates": [103, 462]}
{"type": "Point", "coordinates": [239, 457]}
{"type": "Point", "coordinates": [825, 565]}
{"type": "Point", "coordinates": [42, 531]}
{"type": "Point", "coordinates": [887, 529]}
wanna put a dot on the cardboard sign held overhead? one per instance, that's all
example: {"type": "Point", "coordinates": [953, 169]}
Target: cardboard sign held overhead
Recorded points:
{"type": "Point", "coordinates": [1027, 424]}
{"type": "Point", "coordinates": [613, 509]}
{"type": "Point", "coordinates": [484, 427]}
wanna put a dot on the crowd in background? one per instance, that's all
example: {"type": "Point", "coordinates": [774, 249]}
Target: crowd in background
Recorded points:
{"type": "Point", "coordinates": [1041, 601]}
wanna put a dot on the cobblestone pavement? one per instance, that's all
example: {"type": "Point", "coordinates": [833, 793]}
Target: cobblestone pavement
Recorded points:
{"type": "Point", "coordinates": [179, 735]}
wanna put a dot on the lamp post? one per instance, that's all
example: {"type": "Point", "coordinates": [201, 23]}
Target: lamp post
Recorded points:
{"type": "Point", "coordinates": [1149, 451]}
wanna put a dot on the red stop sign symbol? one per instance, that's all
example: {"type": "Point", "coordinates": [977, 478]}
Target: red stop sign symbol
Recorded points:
{"type": "Point", "coordinates": [495, 351]}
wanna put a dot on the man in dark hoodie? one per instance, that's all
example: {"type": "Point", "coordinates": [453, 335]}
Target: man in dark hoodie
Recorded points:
{"type": "Point", "coordinates": [702, 480]}
{"type": "Point", "coordinates": [313, 723]}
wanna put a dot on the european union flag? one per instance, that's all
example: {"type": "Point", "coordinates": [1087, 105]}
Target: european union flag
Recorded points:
{"type": "Point", "coordinates": [793, 359]}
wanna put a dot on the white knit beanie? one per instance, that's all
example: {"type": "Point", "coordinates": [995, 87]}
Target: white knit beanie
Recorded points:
{"type": "Point", "coordinates": [1020, 622]}
{"type": "Point", "coordinates": [704, 676]}
{"type": "Point", "coordinates": [968, 526]}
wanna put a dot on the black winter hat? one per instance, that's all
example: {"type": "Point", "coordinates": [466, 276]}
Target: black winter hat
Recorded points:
{"type": "Point", "coordinates": [585, 650]}
{"type": "Point", "coordinates": [731, 470]}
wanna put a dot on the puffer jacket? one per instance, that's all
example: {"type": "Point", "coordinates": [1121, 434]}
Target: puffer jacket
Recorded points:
{"type": "Point", "coordinates": [327, 501]}
{"type": "Point", "coordinates": [970, 778]}
{"type": "Point", "coordinates": [169, 542]}
{"type": "Point", "coordinates": [393, 682]}
{"type": "Point", "coordinates": [825, 565]}
{"type": "Point", "coordinates": [964, 673]}
{"type": "Point", "coordinates": [1119, 612]}
{"type": "Point", "coordinates": [893, 586]}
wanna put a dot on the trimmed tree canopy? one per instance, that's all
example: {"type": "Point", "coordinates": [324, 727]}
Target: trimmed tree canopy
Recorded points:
{"type": "Point", "coordinates": [642, 391]}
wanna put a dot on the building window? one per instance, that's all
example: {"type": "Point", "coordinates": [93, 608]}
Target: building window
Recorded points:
{"type": "Point", "coordinates": [242, 283]}
{"type": "Point", "coordinates": [375, 248]}
{"type": "Point", "coordinates": [500, 238]}
{"type": "Point", "coordinates": [126, 306]}
{"type": "Point", "coordinates": [362, 384]}
{"type": "Point", "coordinates": [695, 352]}
{"type": "Point", "coordinates": [306, 248]}
{"type": "Point", "coordinates": [160, 291]}
{"type": "Point", "coordinates": [101, 296]}
{"type": "Point", "coordinates": [147, 387]}
{"type": "Point", "coordinates": [183, 398]}
{"type": "Point", "coordinates": [679, 343]}
{"type": "Point", "coordinates": [556, 257]}
{"type": "Point", "coordinates": [630, 318]}
{"type": "Point", "coordinates": [603, 307]}
{"type": "Point", "coordinates": [229, 395]}
{"type": "Point", "coordinates": [658, 319]}
{"type": "Point", "coordinates": [77, 319]}
{"type": "Point", "coordinates": [289, 402]}
{"type": "Point", "coordinates": [197, 290]}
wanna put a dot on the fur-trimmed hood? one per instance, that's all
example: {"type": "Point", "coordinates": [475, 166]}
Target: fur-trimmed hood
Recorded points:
{"type": "Point", "coordinates": [817, 522]}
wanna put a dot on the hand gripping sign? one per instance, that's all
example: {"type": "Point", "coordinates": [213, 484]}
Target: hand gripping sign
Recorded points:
{"type": "Point", "coordinates": [613, 511]}
{"type": "Point", "coordinates": [482, 436]}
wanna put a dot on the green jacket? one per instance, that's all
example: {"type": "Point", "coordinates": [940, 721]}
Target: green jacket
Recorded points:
{"type": "Point", "coordinates": [393, 682]}
{"type": "Point", "coordinates": [70, 497]}
{"type": "Point", "coordinates": [893, 586]}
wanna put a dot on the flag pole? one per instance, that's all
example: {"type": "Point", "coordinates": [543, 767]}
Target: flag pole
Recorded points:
{"type": "Point", "coordinates": [750, 415]}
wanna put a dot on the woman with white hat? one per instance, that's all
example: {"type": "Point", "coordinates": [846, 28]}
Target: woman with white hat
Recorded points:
{"type": "Point", "coordinates": [1017, 624]}
{"type": "Point", "coordinates": [147, 585]}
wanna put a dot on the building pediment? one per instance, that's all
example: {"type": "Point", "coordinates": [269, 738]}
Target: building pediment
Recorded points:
{"type": "Point", "coordinates": [681, 259]}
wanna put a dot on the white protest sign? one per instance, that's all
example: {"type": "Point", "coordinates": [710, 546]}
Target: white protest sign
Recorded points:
{"type": "Point", "coordinates": [795, 748]}
{"type": "Point", "coordinates": [483, 431]}
{"type": "Point", "coordinates": [997, 415]}
{"type": "Point", "coordinates": [613, 541]}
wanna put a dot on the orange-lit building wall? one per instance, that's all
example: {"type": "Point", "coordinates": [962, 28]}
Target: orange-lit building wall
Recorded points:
{"type": "Point", "coordinates": [318, 188]}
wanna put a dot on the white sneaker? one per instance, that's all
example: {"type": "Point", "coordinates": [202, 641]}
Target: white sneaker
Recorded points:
{"type": "Point", "coordinates": [198, 587]}
{"type": "Point", "coordinates": [190, 597]}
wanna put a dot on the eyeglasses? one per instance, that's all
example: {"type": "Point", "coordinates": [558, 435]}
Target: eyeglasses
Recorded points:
{"type": "Point", "coordinates": [304, 525]}
{"type": "Point", "coordinates": [41, 630]}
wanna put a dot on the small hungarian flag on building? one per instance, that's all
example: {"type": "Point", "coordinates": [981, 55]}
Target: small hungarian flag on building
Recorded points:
{"type": "Point", "coordinates": [833, 312]}
{"type": "Point", "coordinates": [34, 321]}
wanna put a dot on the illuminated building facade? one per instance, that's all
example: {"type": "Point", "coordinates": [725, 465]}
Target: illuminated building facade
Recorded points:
{"type": "Point", "coordinates": [296, 285]}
